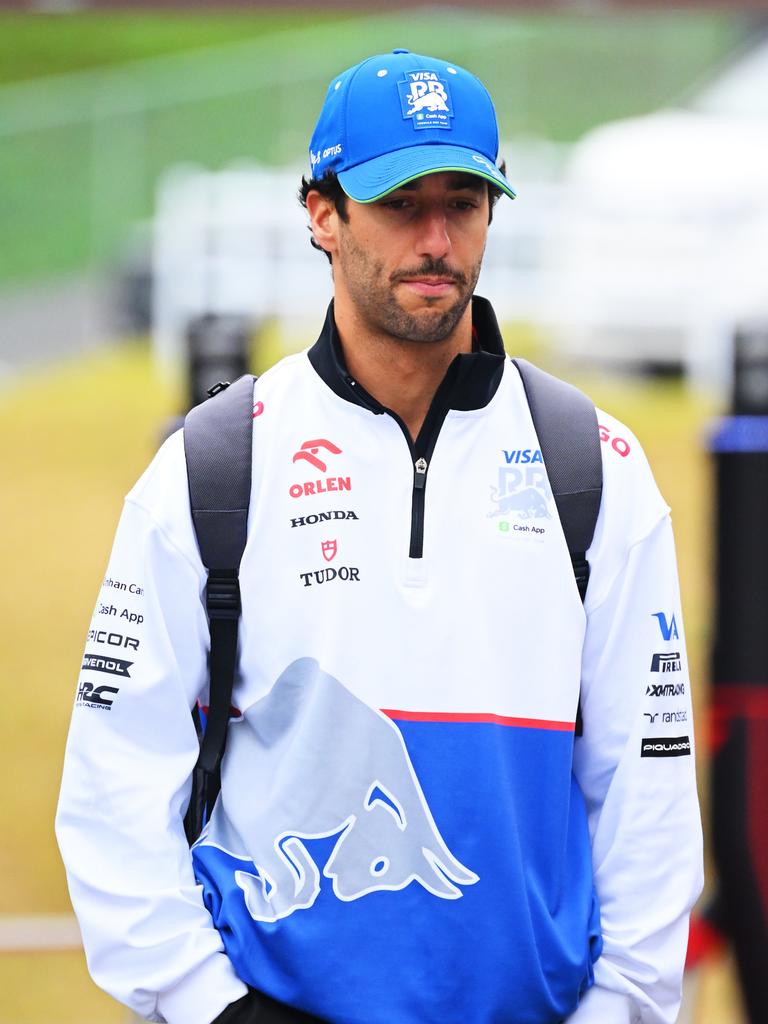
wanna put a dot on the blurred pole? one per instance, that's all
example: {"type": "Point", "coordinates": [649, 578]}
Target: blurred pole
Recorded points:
{"type": "Point", "coordinates": [217, 350]}
{"type": "Point", "coordinates": [740, 669]}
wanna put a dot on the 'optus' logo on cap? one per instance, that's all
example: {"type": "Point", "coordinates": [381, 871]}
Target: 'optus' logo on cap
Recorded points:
{"type": "Point", "coordinates": [425, 99]}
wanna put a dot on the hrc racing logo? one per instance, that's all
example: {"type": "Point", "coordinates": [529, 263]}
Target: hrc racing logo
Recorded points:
{"type": "Point", "coordinates": [90, 696]}
{"type": "Point", "coordinates": [522, 496]}
{"type": "Point", "coordinates": [425, 99]}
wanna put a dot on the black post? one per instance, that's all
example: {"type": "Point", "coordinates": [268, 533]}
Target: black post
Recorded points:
{"type": "Point", "coordinates": [740, 668]}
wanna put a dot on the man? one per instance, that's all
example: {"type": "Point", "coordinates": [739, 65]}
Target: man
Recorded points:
{"type": "Point", "coordinates": [408, 831]}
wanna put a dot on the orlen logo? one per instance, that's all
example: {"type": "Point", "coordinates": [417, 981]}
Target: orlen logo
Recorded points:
{"type": "Point", "coordinates": [308, 452]}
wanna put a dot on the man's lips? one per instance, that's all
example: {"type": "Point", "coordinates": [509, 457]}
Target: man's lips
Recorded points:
{"type": "Point", "coordinates": [434, 286]}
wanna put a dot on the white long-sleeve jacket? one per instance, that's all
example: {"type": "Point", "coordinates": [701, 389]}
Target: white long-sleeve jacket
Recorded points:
{"type": "Point", "coordinates": [408, 830]}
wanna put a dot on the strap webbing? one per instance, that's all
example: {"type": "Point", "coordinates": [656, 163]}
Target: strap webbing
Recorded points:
{"type": "Point", "coordinates": [565, 421]}
{"type": "Point", "coordinates": [217, 445]}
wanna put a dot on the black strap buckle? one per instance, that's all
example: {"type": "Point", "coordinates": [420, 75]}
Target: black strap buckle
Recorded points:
{"type": "Point", "coordinates": [222, 594]}
{"type": "Point", "coordinates": [581, 572]}
{"type": "Point", "coordinates": [221, 385]}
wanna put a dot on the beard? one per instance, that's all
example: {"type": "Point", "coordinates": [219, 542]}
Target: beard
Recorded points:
{"type": "Point", "coordinates": [373, 295]}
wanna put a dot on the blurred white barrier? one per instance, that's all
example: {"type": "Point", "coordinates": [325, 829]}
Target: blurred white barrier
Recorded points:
{"type": "Point", "coordinates": [236, 242]}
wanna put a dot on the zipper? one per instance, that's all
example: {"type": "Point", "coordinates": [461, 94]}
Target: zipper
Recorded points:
{"type": "Point", "coordinates": [420, 467]}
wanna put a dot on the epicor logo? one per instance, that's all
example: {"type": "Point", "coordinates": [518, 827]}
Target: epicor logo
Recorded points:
{"type": "Point", "coordinates": [308, 452]}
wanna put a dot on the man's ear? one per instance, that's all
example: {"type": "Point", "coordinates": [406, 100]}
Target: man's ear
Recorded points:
{"type": "Point", "coordinates": [323, 220]}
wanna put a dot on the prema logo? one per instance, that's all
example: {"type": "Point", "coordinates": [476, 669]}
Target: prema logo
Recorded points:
{"type": "Point", "coordinates": [668, 746]}
{"type": "Point", "coordinates": [329, 550]}
{"type": "Point", "coordinates": [309, 453]}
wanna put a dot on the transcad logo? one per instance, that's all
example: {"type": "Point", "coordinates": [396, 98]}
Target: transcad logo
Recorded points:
{"type": "Point", "coordinates": [668, 746]}
{"type": "Point", "coordinates": [666, 662]}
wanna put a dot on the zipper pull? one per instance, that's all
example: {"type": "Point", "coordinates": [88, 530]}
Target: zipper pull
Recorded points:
{"type": "Point", "coordinates": [420, 477]}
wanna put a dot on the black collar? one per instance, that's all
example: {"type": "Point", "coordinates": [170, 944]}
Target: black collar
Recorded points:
{"type": "Point", "coordinates": [471, 380]}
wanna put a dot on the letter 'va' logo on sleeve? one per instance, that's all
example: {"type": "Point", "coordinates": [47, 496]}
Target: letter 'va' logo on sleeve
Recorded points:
{"type": "Point", "coordinates": [668, 629]}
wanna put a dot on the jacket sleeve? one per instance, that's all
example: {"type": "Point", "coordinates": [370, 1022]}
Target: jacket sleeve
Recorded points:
{"type": "Point", "coordinates": [148, 937]}
{"type": "Point", "coordinates": [635, 766]}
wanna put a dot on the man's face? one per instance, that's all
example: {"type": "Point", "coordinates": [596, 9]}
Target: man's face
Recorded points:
{"type": "Point", "coordinates": [408, 263]}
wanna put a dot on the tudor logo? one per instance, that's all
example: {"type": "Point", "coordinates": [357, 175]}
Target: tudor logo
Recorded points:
{"type": "Point", "coordinates": [329, 550]}
{"type": "Point", "coordinates": [309, 453]}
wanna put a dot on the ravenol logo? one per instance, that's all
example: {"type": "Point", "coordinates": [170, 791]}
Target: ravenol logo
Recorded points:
{"type": "Point", "coordinates": [425, 99]}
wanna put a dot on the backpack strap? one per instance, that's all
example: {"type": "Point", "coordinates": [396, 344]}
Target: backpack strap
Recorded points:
{"type": "Point", "coordinates": [218, 438]}
{"type": "Point", "coordinates": [565, 421]}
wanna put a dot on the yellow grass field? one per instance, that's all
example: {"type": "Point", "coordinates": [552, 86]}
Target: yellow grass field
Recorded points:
{"type": "Point", "coordinates": [74, 439]}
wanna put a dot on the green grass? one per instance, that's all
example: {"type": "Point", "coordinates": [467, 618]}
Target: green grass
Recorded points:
{"type": "Point", "coordinates": [34, 45]}
{"type": "Point", "coordinates": [69, 191]}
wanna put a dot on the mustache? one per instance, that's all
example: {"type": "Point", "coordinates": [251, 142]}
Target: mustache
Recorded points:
{"type": "Point", "coordinates": [430, 268]}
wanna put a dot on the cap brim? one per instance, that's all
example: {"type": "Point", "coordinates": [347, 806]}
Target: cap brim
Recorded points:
{"type": "Point", "coordinates": [376, 178]}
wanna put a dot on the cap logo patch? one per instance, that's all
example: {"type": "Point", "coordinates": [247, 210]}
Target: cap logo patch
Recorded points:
{"type": "Point", "coordinates": [425, 99]}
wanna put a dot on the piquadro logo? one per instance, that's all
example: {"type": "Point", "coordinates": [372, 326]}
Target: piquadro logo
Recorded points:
{"type": "Point", "coordinates": [425, 100]}
{"type": "Point", "coordinates": [668, 629]}
{"type": "Point", "coordinates": [309, 453]}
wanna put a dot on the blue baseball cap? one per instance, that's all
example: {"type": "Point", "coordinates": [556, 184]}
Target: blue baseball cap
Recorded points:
{"type": "Point", "coordinates": [398, 116]}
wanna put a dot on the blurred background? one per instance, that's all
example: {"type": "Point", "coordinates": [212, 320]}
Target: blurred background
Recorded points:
{"type": "Point", "coordinates": [151, 244]}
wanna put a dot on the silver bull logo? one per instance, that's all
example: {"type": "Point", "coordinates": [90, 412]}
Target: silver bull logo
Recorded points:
{"type": "Point", "coordinates": [325, 765]}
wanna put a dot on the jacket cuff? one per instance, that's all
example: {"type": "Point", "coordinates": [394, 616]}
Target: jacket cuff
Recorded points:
{"type": "Point", "coordinates": [202, 995]}
{"type": "Point", "coordinates": [602, 1006]}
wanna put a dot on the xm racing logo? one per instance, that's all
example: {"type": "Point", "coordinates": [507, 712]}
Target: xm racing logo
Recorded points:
{"type": "Point", "coordinates": [425, 99]}
{"type": "Point", "coordinates": [665, 690]}
{"type": "Point", "coordinates": [521, 497]}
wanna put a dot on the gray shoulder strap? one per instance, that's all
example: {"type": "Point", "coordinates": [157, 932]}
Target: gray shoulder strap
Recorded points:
{"type": "Point", "coordinates": [566, 425]}
{"type": "Point", "coordinates": [217, 445]}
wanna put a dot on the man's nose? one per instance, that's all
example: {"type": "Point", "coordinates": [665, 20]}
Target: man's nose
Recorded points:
{"type": "Point", "coordinates": [433, 239]}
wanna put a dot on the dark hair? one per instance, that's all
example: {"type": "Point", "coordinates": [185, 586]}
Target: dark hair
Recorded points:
{"type": "Point", "coordinates": [329, 187]}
